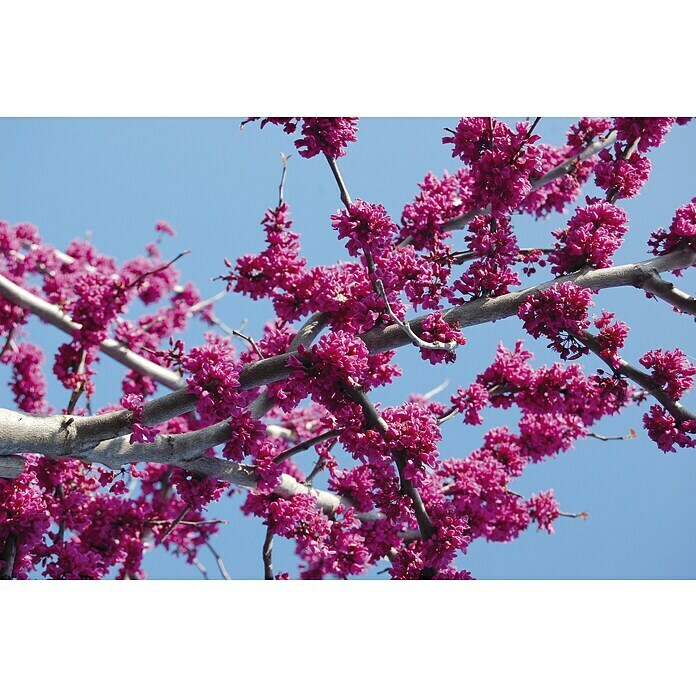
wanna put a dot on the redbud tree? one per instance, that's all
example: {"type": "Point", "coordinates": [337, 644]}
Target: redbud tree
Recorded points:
{"type": "Point", "coordinates": [88, 488]}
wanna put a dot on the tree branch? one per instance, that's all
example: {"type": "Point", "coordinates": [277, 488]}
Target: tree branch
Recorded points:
{"type": "Point", "coordinates": [11, 466]}
{"type": "Point", "coordinates": [642, 379]}
{"type": "Point", "coordinates": [557, 172]}
{"type": "Point", "coordinates": [655, 284]}
{"type": "Point", "coordinates": [54, 316]}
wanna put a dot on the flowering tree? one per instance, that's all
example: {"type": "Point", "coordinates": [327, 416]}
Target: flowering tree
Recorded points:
{"type": "Point", "coordinates": [87, 488]}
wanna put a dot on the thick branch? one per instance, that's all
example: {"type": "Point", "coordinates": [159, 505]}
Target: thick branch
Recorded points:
{"type": "Point", "coordinates": [483, 310]}
{"type": "Point", "coordinates": [11, 466]}
{"type": "Point", "coordinates": [24, 432]}
{"type": "Point", "coordinates": [656, 285]}
{"type": "Point", "coordinates": [52, 315]}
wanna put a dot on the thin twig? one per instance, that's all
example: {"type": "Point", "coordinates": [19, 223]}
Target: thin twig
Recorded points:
{"type": "Point", "coordinates": [285, 159]}
{"type": "Point", "coordinates": [174, 524]}
{"type": "Point", "coordinates": [458, 258]}
{"type": "Point", "coordinates": [345, 196]}
{"type": "Point", "coordinates": [77, 392]}
{"type": "Point", "coordinates": [575, 515]}
{"type": "Point", "coordinates": [607, 438]}
{"type": "Point", "coordinates": [205, 303]}
{"type": "Point", "coordinates": [319, 466]}
{"type": "Point", "coordinates": [8, 342]}
{"type": "Point", "coordinates": [307, 444]}
{"type": "Point", "coordinates": [218, 560]}
{"type": "Point", "coordinates": [202, 568]}
{"type": "Point", "coordinates": [192, 523]}
{"type": "Point", "coordinates": [236, 333]}
{"type": "Point", "coordinates": [142, 277]}
{"type": "Point", "coordinates": [435, 391]}
{"type": "Point", "coordinates": [406, 328]}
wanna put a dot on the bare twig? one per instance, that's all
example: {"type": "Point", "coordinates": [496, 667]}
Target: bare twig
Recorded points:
{"type": "Point", "coordinates": [236, 333]}
{"type": "Point", "coordinates": [458, 258]}
{"type": "Point", "coordinates": [345, 196]}
{"type": "Point", "coordinates": [575, 515]}
{"type": "Point", "coordinates": [202, 568]}
{"type": "Point", "coordinates": [142, 277]}
{"type": "Point", "coordinates": [174, 524]}
{"type": "Point", "coordinates": [319, 466]}
{"type": "Point", "coordinates": [205, 303]}
{"type": "Point", "coordinates": [607, 438]}
{"type": "Point", "coordinates": [78, 391]}
{"type": "Point", "coordinates": [406, 328]}
{"type": "Point", "coordinates": [307, 444]}
{"type": "Point", "coordinates": [191, 523]}
{"type": "Point", "coordinates": [281, 188]}
{"type": "Point", "coordinates": [218, 560]}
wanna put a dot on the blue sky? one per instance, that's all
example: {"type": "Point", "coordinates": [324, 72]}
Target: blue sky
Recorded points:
{"type": "Point", "coordinates": [213, 182]}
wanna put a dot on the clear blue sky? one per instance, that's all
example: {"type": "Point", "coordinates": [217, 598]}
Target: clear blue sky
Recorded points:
{"type": "Point", "coordinates": [213, 182]}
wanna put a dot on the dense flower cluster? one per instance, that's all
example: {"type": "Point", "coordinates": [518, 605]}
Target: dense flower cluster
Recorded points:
{"type": "Point", "coordinates": [667, 431]}
{"type": "Point", "coordinates": [682, 231]}
{"type": "Point", "coordinates": [367, 228]}
{"type": "Point", "coordinates": [434, 329]}
{"type": "Point", "coordinates": [491, 240]}
{"type": "Point", "coordinates": [621, 176]}
{"type": "Point", "coordinates": [649, 132]}
{"type": "Point", "coordinates": [471, 402]}
{"type": "Point", "coordinates": [503, 161]}
{"type": "Point", "coordinates": [438, 201]}
{"type": "Point", "coordinates": [589, 239]}
{"type": "Point", "coordinates": [28, 381]}
{"type": "Point", "coordinates": [544, 510]}
{"type": "Point", "coordinates": [337, 359]}
{"type": "Point", "coordinates": [611, 337]}
{"type": "Point", "coordinates": [671, 370]}
{"type": "Point", "coordinates": [624, 173]}
{"type": "Point", "coordinates": [556, 194]}
{"type": "Point", "coordinates": [559, 313]}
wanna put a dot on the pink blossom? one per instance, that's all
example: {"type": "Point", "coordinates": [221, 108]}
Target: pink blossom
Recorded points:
{"type": "Point", "coordinates": [544, 510]}
{"type": "Point", "coordinates": [589, 239]}
{"type": "Point", "coordinates": [559, 313]}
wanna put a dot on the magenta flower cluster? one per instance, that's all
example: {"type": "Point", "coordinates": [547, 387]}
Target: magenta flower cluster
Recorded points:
{"type": "Point", "coordinates": [324, 135]}
{"type": "Point", "coordinates": [590, 238]}
{"type": "Point", "coordinates": [559, 313]}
